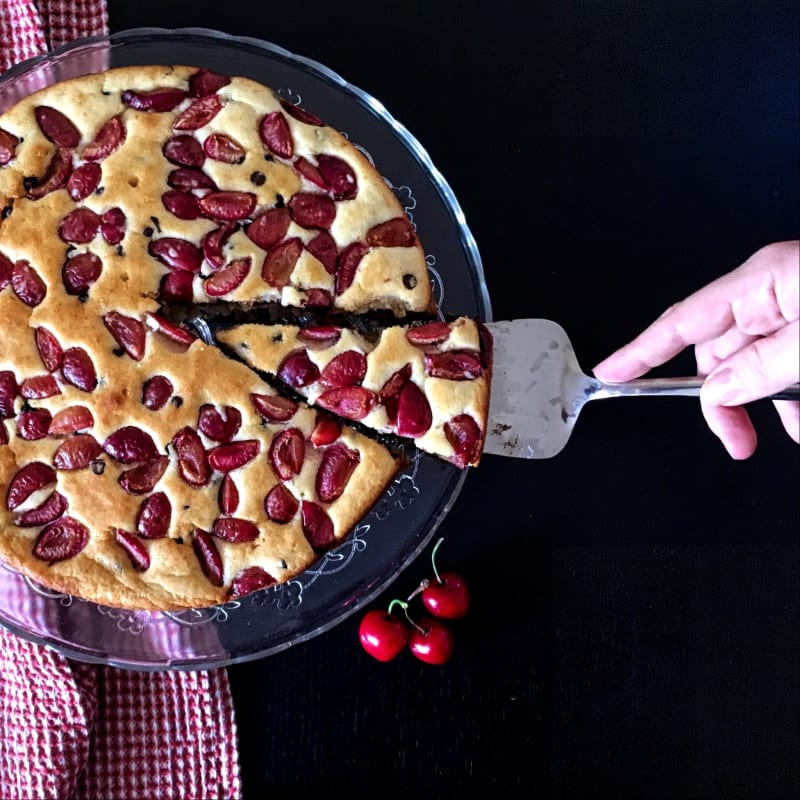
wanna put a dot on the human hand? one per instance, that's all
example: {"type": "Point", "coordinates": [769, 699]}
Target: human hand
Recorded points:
{"type": "Point", "coordinates": [745, 329]}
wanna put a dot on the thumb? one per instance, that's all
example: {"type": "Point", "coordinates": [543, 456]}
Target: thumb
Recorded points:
{"type": "Point", "coordinates": [763, 367]}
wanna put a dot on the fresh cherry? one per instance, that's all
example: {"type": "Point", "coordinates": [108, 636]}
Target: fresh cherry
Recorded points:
{"type": "Point", "coordinates": [431, 641]}
{"type": "Point", "coordinates": [382, 634]}
{"type": "Point", "coordinates": [447, 596]}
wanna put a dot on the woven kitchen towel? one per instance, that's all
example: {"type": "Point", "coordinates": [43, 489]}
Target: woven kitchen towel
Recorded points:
{"type": "Point", "coordinates": [28, 28]}
{"type": "Point", "coordinates": [75, 730]}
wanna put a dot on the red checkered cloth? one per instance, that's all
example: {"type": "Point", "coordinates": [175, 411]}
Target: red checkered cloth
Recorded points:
{"type": "Point", "coordinates": [74, 730]}
{"type": "Point", "coordinates": [28, 28]}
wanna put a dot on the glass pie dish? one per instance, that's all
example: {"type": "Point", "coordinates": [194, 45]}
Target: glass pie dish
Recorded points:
{"type": "Point", "coordinates": [404, 519]}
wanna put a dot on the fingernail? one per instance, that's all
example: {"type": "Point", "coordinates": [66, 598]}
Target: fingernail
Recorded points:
{"type": "Point", "coordinates": [605, 366]}
{"type": "Point", "coordinates": [722, 387]}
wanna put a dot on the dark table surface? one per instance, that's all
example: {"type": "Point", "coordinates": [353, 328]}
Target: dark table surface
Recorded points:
{"type": "Point", "coordinates": [634, 630]}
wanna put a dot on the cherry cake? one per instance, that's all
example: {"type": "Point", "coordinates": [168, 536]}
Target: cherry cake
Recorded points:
{"type": "Point", "coordinates": [139, 467]}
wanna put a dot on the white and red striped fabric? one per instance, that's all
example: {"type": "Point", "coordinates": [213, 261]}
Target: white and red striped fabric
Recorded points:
{"type": "Point", "coordinates": [74, 730]}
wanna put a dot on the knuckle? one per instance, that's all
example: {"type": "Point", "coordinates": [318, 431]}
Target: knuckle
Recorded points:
{"type": "Point", "coordinates": [756, 364]}
{"type": "Point", "coordinates": [706, 357]}
{"type": "Point", "coordinates": [758, 313]}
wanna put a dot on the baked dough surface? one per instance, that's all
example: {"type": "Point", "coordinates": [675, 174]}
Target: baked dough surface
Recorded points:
{"type": "Point", "coordinates": [448, 397]}
{"type": "Point", "coordinates": [34, 258]}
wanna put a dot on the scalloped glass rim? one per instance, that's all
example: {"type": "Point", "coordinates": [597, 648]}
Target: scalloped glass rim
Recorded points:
{"type": "Point", "coordinates": [410, 143]}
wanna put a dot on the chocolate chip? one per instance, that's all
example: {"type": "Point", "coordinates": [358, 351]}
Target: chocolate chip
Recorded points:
{"type": "Point", "coordinates": [258, 178]}
{"type": "Point", "coordinates": [99, 190]}
{"type": "Point", "coordinates": [282, 564]}
{"type": "Point", "coordinates": [268, 157]}
{"type": "Point", "coordinates": [409, 281]}
{"type": "Point", "coordinates": [118, 352]}
{"type": "Point", "coordinates": [156, 223]}
{"type": "Point", "coordinates": [279, 201]}
{"type": "Point", "coordinates": [83, 297]}
{"type": "Point", "coordinates": [7, 211]}
{"type": "Point", "coordinates": [179, 539]}
{"type": "Point", "coordinates": [30, 182]}
{"type": "Point", "coordinates": [277, 337]}
{"type": "Point", "coordinates": [186, 508]}
{"type": "Point", "coordinates": [177, 401]}
{"type": "Point", "coordinates": [120, 251]}
{"type": "Point", "coordinates": [148, 232]}
{"type": "Point", "coordinates": [105, 92]}
{"type": "Point", "coordinates": [98, 467]}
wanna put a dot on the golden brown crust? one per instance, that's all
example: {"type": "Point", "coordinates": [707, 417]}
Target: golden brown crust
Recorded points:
{"type": "Point", "coordinates": [93, 99]}
{"type": "Point", "coordinates": [102, 571]}
{"type": "Point", "coordinates": [134, 177]}
{"type": "Point", "coordinates": [448, 398]}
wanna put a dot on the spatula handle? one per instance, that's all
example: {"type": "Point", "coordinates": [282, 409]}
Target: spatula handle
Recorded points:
{"type": "Point", "coordinates": [685, 387]}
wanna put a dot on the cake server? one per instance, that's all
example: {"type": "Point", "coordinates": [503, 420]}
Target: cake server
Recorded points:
{"type": "Point", "coordinates": [538, 389]}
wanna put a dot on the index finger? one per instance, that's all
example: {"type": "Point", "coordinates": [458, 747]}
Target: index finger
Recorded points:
{"type": "Point", "coordinates": [759, 297]}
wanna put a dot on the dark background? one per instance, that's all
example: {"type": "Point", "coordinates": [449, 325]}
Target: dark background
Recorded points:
{"type": "Point", "coordinates": [635, 622]}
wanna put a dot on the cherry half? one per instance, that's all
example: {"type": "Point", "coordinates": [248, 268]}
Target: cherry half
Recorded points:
{"type": "Point", "coordinates": [382, 634]}
{"type": "Point", "coordinates": [431, 641]}
{"type": "Point", "coordinates": [446, 597]}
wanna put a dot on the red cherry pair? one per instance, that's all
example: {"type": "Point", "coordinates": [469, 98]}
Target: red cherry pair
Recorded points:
{"type": "Point", "coordinates": [384, 635]}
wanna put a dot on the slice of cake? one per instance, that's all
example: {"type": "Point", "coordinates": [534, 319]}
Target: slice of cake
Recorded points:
{"type": "Point", "coordinates": [429, 382]}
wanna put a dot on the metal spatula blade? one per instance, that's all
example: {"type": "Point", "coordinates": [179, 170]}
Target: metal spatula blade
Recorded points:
{"type": "Point", "coordinates": [538, 389]}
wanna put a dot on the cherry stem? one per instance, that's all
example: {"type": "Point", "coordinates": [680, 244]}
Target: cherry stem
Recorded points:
{"type": "Point", "coordinates": [423, 585]}
{"type": "Point", "coordinates": [400, 603]}
{"type": "Point", "coordinates": [404, 606]}
{"type": "Point", "coordinates": [433, 560]}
